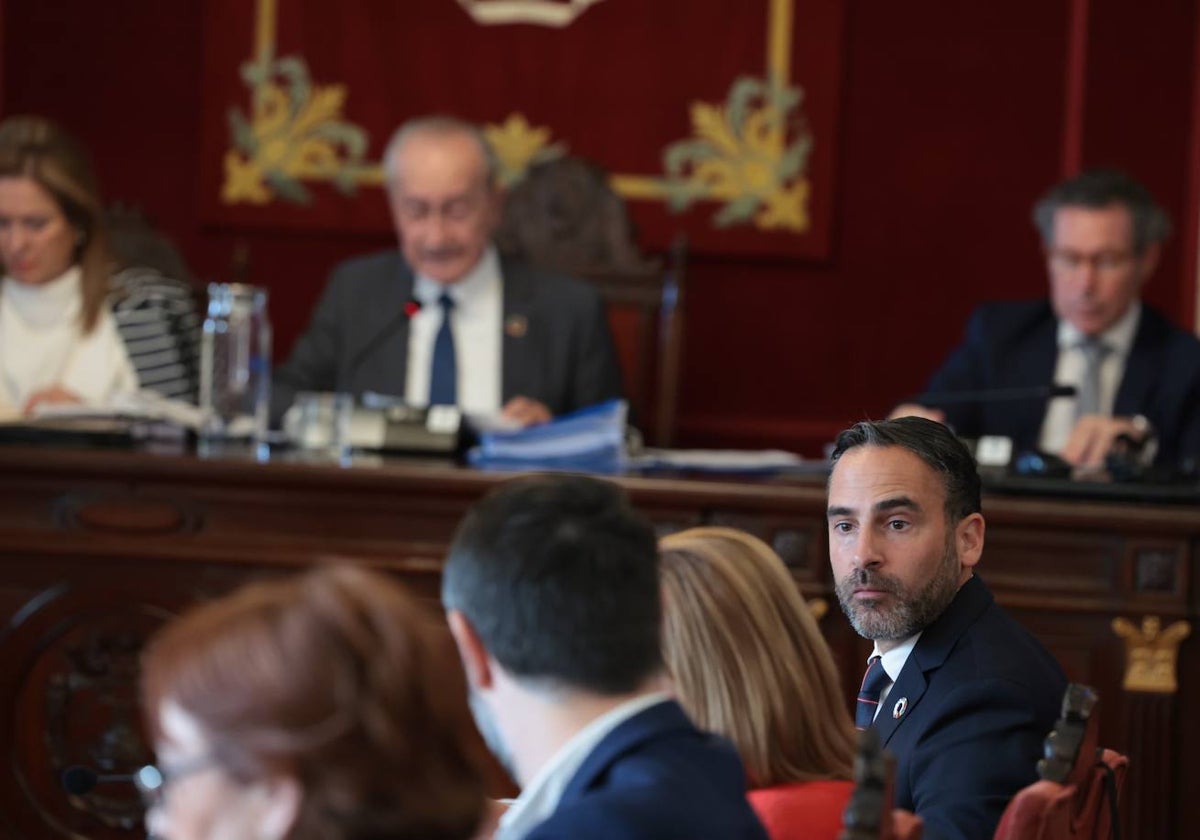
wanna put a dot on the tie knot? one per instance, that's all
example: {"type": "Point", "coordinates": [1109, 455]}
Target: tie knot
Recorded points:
{"type": "Point", "coordinates": [875, 678]}
{"type": "Point", "coordinates": [1094, 348]}
{"type": "Point", "coordinates": [445, 301]}
{"type": "Point", "coordinates": [868, 696]}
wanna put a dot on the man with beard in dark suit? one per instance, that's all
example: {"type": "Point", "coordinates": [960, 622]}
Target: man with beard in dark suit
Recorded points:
{"type": "Point", "coordinates": [961, 694]}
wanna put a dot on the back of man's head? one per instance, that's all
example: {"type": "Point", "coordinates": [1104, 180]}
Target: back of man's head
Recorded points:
{"type": "Point", "coordinates": [558, 576]}
{"type": "Point", "coordinates": [1097, 189]}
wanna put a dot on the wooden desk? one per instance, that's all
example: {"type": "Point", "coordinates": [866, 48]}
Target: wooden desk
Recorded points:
{"type": "Point", "coordinates": [98, 548]}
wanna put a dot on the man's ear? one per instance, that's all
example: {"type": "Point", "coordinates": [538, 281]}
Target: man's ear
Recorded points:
{"type": "Point", "coordinates": [1148, 261]}
{"type": "Point", "coordinates": [968, 539]}
{"type": "Point", "coordinates": [475, 658]}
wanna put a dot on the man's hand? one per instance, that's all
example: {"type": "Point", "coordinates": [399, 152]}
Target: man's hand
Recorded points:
{"type": "Point", "coordinates": [914, 410]}
{"type": "Point", "coordinates": [1093, 437]}
{"type": "Point", "coordinates": [526, 412]}
{"type": "Point", "coordinates": [54, 395]}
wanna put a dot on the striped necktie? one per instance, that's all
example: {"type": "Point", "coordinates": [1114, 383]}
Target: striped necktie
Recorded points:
{"type": "Point", "coordinates": [1094, 352]}
{"type": "Point", "coordinates": [868, 696]}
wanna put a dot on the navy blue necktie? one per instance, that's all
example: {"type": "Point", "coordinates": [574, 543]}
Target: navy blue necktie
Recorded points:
{"type": "Point", "coordinates": [443, 374]}
{"type": "Point", "coordinates": [868, 696]}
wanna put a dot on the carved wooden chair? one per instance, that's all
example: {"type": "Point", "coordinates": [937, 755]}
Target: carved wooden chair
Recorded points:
{"type": "Point", "coordinates": [869, 814]}
{"type": "Point", "coordinates": [1079, 791]}
{"type": "Point", "coordinates": [565, 217]}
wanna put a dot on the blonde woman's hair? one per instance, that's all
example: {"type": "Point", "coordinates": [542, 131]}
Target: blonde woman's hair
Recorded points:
{"type": "Point", "coordinates": [38, 149]}
{"type": "Point", "coordinates": [748, 660]}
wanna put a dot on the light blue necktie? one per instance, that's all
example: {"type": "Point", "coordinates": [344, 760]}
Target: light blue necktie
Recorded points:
{"type": "Point", "coordinates": [1088, 400]}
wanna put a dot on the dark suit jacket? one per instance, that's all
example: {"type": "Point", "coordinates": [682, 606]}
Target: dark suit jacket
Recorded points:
{"type": "Point", "coordinates": [1015, 345]}
{"type": "Point", "coordinates": [981, 694]}
{"type": "Point", "coordinates": [561, 355]}
{"type": "Point", "coordinates": [656, 777]}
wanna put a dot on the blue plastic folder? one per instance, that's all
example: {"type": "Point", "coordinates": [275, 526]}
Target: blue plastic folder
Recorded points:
{"type": "Point", "coordinates": [589, 440]}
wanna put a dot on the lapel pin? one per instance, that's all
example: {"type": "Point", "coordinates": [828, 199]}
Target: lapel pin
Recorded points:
{"type": "Point", "coordinates": [515, 326]}
{"type": "Point", "coordinates": [900, 708]}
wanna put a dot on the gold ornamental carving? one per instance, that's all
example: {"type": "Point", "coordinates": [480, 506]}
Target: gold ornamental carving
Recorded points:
{"type": "Point", "coordinates": [518, 146]}
{"type": "Point", "coordinates": [1151, 653]}
{"type": "Point", "coordinates": [748, 154]}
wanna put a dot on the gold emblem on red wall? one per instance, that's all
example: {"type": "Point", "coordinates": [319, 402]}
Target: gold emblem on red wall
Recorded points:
{"type": "Point", "coordinates": [749, 154]}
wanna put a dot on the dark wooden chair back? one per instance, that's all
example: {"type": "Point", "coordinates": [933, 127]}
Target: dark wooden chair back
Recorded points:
{"type": "Point", "coordinates": [563, 216]}
{"type": "Point", "coordinates": [869, 813]}
{"type": "Point", "coordinates": [1078, 793]}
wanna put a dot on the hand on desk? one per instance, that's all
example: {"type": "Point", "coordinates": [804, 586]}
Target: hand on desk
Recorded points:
{"type": "Point", "coordinates": [914, 410]}
{"type": "Point", "coordinates": [54, 395]}
{"type": "Point", "coordinates": [1093, 437]}
{"type": "Point", "coordinates": [526, 412]}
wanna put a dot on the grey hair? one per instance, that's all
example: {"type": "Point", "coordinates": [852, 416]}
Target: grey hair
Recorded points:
{"type": "Point", "coordinates": [441, 125]}
{"type": "Point", "coordinates": [1098, 189]}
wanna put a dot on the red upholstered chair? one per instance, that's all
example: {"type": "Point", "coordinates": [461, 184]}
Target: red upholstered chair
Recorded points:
{"type": "Point", "coordinates": [1080, 786]}
{"type": "Point", "coordinates": [869, 813]}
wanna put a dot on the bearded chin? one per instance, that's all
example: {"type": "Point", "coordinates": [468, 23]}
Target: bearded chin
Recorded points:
{"type": "Point", "coordinates": [908, 612]}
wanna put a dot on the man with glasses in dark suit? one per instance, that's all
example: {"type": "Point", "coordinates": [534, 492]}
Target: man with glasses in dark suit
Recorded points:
{"type": "Point", "coordinates": [1135, 374]}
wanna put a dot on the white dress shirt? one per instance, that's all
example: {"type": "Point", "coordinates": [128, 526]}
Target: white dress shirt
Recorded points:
{"type": "Point", "coordinates": [476, 325]}
{"type": "Point", "coordinates": [893, 663]}
{"type": "Point", "coordinates": [539, 799]}
{"type": "Point", "coordinates": [1069, 370]}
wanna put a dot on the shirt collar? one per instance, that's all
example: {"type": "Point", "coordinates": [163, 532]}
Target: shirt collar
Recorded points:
{"type": "Point", "coordinates": [539, 799]}
{"type": "Point", "coordinates": [468, 289]}
{"type": "Point", "coordinates": [893, 661]}
{"type": "Point", "coordinates": [56, 301]}
{"type": "Point", "coordinates": [1119, 337]}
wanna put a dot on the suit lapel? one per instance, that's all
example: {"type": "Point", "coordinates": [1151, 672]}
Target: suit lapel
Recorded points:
{"type": "Point", "coordinates": [933, 648]}
{"type": "Point", "coordinates": [1142, 368]}
{"type": "Point", "coordinates": [382, 347]}
{"type": "Point", "coordinates": [519, 361]}
{"type": "Point", "coordinates": [1032, 364]}
{"type": "Point", "coordinates": [904, 696]}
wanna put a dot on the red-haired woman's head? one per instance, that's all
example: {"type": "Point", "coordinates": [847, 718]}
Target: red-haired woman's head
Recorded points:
{"type": "Point", "coordinates": [329, 705]}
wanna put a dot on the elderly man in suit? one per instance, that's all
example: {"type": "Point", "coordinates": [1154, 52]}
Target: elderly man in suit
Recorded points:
{"type": "Point", "coordinates": [1135, 374]}
{"type": "Point", "coordinates": [960, 693]}
{"type": "Point", "coordinates": [551, 592]}
{"type": "Point", "coordinates": [446, 320]}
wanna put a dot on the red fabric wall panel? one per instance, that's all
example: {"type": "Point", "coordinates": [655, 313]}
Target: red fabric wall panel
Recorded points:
{"type": "Point", "coordinates": [951, 123]}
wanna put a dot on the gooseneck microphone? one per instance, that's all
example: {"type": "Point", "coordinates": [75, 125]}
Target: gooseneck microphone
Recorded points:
{"type": "Point", "coordinates": [406, 313]}
{"type": "Point", "coordinates": [78, 780]}
{"type": "Point", "coordinates": [994, 395]}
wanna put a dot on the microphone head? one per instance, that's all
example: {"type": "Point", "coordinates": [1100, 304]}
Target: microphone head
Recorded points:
{"type": "Point", "coordinates": [78, 780]}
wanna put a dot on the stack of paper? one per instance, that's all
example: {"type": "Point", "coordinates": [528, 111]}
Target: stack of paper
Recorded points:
{"type": "Point", "coordinates": [591, 440]}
